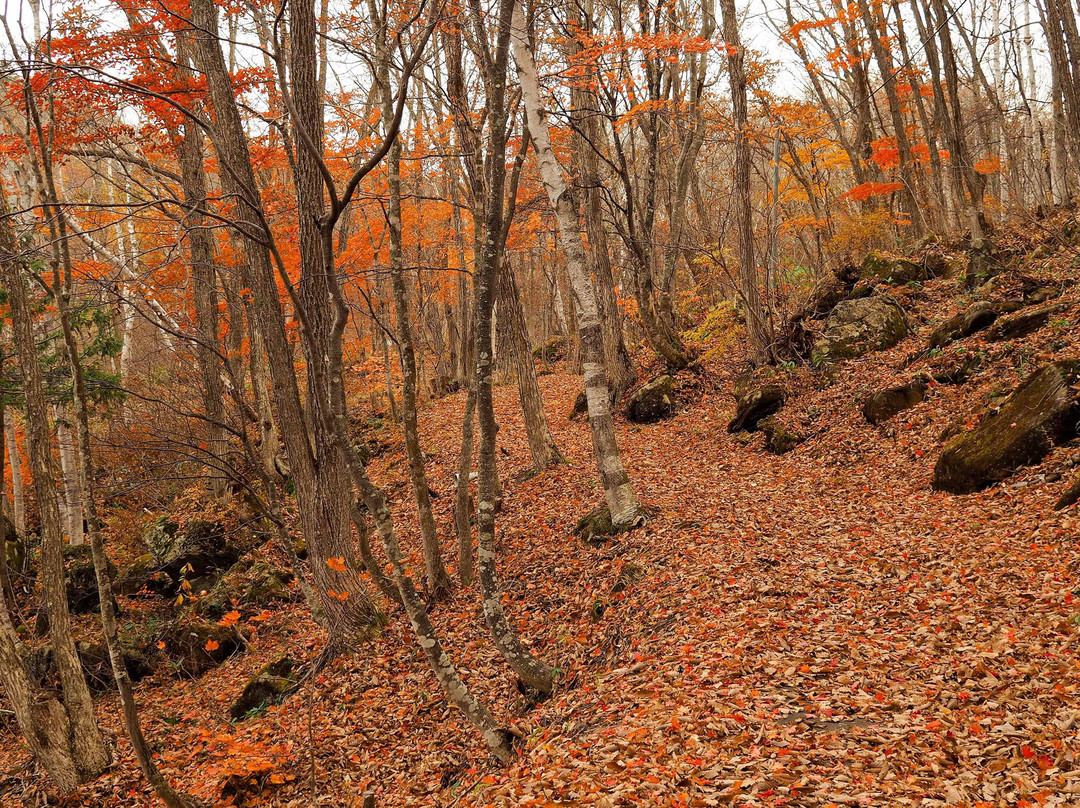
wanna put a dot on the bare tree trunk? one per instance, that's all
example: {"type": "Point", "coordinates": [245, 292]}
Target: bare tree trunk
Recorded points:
{"type": "Point", "coordinates": [71, 504]}
{"type": "Point", "coordinates": [40, 716]}
{"type": "Point", "coordinates": [529, 669]}
{"type": "Point", "coordinates": [621, 373]}
{"type": "Point", "coordinates": [204, 293]}
{"type": "Point", "coordinates": [374, 568]}
{"type": "Point", "coordinates": [888, 80]}
{"type": "Point", "coordinates": [437, 578]}
{"type": "Point", "coordinates": [541, 443]}
{"type": "Point", "coordinates": [18, 497]}
{"type": "Point", "coordinates": [91, 756]}
{"type": "Point", "coordinates": [621, 500]}
{"type": "Point", "coordinates": [321, 488]}
{"type": "Point", "coordinates": [462, 497]}
{"type": "Point", "coordinates": [954, 122]}
{"type": "Point", "coordinates": [756, 325]}
{"type": "Point", "coordinates": [496, 738]}
{"type": "Point", "coordinates": [128, 708]}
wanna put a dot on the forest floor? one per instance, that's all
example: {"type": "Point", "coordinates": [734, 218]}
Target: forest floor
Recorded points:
{"type": "Point", "coordinates": [814, 629]}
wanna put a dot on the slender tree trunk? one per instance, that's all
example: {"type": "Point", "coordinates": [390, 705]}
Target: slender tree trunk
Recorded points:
{"type": "Point", "coordinates": [72, 502]}
{"type": "Point", "coordinates": [541, 443]}
{"type": "Point", "coordinates": [756, 324]}
{"type": "Point", "coordinates": [529, 669]}
{"type": "Point", "coordinates": [203, 279]}
{"type": "Point", "coordinates": [621, 373]}
{"type": "Point", "coordinates": [903, 143]}
{"type": "Point", "coordinates": [463, 509]}
{"type": "Point", "coordinates": [18, 497]}
{"type": "Point", "coordinates": [621, 500]}
{"type": "Point", "coordinates": [437, 578]}
{"type": "Point", "coordinates": [91, 756]}
{"type": "Point", "coordinates": [374, 568]}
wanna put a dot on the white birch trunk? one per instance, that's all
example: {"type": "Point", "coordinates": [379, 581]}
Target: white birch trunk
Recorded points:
{"type": "Point", "coordinates": [71, 504]}
{"type": "Point", "coordinates": [621, 500]}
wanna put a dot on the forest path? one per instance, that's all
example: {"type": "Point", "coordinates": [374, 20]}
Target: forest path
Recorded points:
{"type": "Point", "coordinates": [809, 629]}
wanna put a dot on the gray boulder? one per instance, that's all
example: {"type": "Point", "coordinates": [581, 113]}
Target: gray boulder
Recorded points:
{"type": "Point", "coordinates": [857, 327]}
{"type": "Point", "coordinates": [1041, 412]}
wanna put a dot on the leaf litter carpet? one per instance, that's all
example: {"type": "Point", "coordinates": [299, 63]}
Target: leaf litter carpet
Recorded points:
{"type": "Point", "coordinates": [808, 630]}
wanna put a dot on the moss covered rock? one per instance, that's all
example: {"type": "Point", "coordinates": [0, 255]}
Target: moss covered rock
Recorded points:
{"type": "Point", "coordinates": [97, 667]}
{"type": "Point", "coordinates": [256, 584]}
{"type": "Point", "coordinates": [754, 404]}
{"type": "Point", "coordinates": [194, 646]}
{"type": "Point", "coordinates": [894, 270]}
{"type": "Point", "coordinates": [856, 327]}
{"type": "Point", "coordinates": [144, 577]}
{"type": "Point", "coordinates": [269, 686]}
{"type": "Point", "coordinates": [778, 438]}
{"type": "Point", "coordinates": [82, 588]}
{"type": "Point", "coordinates": [1039, 414]}
{"type": "Point", "coordinates": [652, 401]}
{"type": "Point", "coordinates": [884, 404]}
{"type": "Point", "coordinates": [198, 552]}
{"type": "Point", "coordinates": [595, 527]}
{"type": "Point", "coordinates": [1022, 323]}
